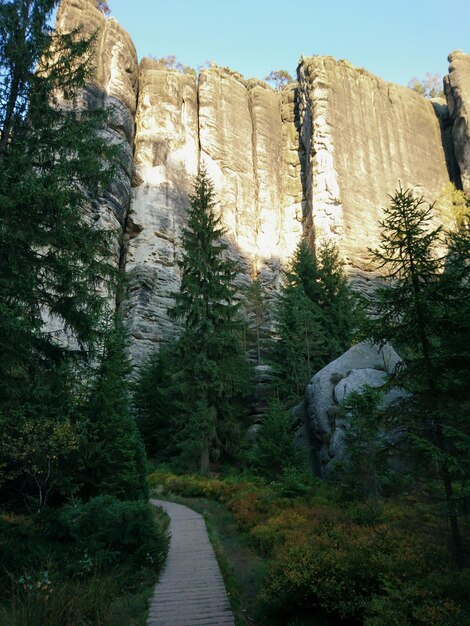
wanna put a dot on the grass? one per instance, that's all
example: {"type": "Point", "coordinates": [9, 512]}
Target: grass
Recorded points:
{"type": "Point", "coordinates": [49, 596]}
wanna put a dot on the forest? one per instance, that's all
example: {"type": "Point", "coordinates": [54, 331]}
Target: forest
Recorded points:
{"type": "Point", "coordinates": [86, 438]}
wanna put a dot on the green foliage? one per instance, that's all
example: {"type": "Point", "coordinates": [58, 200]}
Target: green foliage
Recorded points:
{"type": "Point", "coordinates": [366, 470]}
{"type": "Point", "coordinates": [153, 403]}
{"type": "Point", "coordinates": [256, 309]}
{"type": "Point", "coordinates": [211, 372]}
{"type": "Point", "coordinates": [87, 564]}
{"type": "Point", "coordinates": [278, 78]}
{"type": "Point", "coordinates": [429, 87]}
{"type": "Point", "coordinates": [52, 154]}
{"type": "Point", "coordinates": [352, 572]}
{"type": "Point", "coordinates": [274, 449]}
{"type": "Point", "coordinates": [110, 532]}
{"type": "Point", "coordinates": [171, 62]}
{"type": "Point", "coordinates": [54, 267]}
{"type": "Point", "coordinates": [113, 456]}
{"type": "Point", "coordinates": [314, 318]}
{"type": "Point", "coordinates": [348, 564]}
{"type": "Point", "coordinates": [423, 311]}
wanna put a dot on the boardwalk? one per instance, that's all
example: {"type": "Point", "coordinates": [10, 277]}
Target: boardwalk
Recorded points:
{"type": "Point", "coordinates": [191, 591]}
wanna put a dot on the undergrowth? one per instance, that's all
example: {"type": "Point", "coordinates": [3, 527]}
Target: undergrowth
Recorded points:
{"type": "Point", "coordinates": [81, 565]}
{"type": "Point", "coordinates": [337, 562]}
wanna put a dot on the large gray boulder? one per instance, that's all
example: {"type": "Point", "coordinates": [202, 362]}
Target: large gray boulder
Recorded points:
{"type": "Point", "coordinates": [363, 364]}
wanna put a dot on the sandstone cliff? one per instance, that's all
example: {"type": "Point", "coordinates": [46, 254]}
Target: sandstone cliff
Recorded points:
{"type": "Point", "coordinates": [166, 161]}
{"type": "Point", "coordinates": [244, 132]}
{"type": "Point", "coordinates": [113, 86]}
{"type": "Point", "coordinates": [362, 137]}
{"type": "Point", "coordinates": [457, 90]}
{"type": "Point", "coordinates": [320, 157]}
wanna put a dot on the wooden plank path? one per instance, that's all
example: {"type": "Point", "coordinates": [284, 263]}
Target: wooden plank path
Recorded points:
{"type": "Point", "coordinates": [191, 590]}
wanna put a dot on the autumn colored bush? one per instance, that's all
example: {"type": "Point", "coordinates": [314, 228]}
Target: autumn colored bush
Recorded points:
{"type": "Point", "coordinates": [355, 562]}
{"type": "Point", "coordinates": [348, 570]}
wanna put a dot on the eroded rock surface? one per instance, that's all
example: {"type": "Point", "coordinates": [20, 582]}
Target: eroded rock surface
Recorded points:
{"type": "Point", "coordinates": [244, 132]}
{"type": "Point", "coordinates": [113, 87]}
{"type": "Point", "coordinates": [457, 90]}
{"type": "Point", "coordinates": [166, 162]}
{"type": "Point", "coordinates": [319, 157]}
{"type": "Point", "coordinates": [363, 364]}
{"type": "Point", "coordinates": [362, 138]}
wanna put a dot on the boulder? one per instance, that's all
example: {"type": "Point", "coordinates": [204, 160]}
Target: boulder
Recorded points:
{"type": "Point", "coordinates": [363, 364]}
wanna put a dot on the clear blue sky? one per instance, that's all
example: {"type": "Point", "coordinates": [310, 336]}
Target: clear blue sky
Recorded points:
{"type": "Point", "coordinates": [395, 40]}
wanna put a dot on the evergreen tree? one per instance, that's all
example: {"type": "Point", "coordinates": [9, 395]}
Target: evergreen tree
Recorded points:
{"type": "Point", "coordinates": [212, 370]}
{"type": "Point", "coordinates": [424, 311]}
{"type": "Point", "coordinates": [336, 300]}
{"type": "Point", "coordinates": [274, 449]}
{"type": "Point", "coordinates": [154, 402]}
{"type": "Point", "coordinates": [113, 458]}
{"type": "Point", "coordinates": [255, 306]}
{"type": "Point", "coordinates": [53, 261]}
{"type": "Point", "coordinates": [314, 317]}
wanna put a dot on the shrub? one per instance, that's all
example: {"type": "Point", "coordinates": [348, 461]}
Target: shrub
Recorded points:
{"type": "Point", "coordinates": [342, 568]}
{"type": "Point", "coordinates": [108, 532]}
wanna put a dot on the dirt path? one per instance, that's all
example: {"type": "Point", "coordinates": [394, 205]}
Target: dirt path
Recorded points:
{"type": "Point", "coordinates": [191, 591]}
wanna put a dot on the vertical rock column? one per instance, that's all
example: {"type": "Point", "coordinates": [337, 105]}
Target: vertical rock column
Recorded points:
{"type": "Point", "coordinates": [293, 205]}
{"type": "Point", "coordinates": [248, 143]}
{"type": "Point", "coordinates": [166, 162]}
{"type": "Point", "coordinates": [362, 137]}
{"type": "Point", "coordinates": [457, 90]}
{"type": "Point", "coordinates": [113, 86]}
{"type": "Point", "coordinates": [226, 142]}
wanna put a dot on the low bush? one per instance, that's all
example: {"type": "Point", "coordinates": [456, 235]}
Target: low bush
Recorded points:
{"type": "Point", "coordinates": [80, 564]}
{"type": "Point", "coordinates": [106, 532]}
{"type": "Point", "coordinates": [352, 563]}
{"type": "Point", "coordinates": [345, 568]}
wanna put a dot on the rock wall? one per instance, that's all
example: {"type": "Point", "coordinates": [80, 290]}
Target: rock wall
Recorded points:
{"type": "Point", "coordinates": [457, 90]}
{"type": "Point", "coordinates": [320, 157]}
{"type": "Point", "coordinates": [113, 86]}
{"type": "Point", "coordinates": [362, 137]}
{"type": "Point", "coordinates": [166, 161]}
{"type": "Point", "coordinates": [244, 132]}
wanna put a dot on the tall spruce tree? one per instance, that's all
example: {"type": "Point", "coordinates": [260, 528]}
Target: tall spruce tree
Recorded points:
{"type": "Point", "coordinates": [53, 261]}
{"type": "Point", "coordinates": [112, 459]}
{"type": "Point", "coordinates": [314, 317]}
{"type": "Point", "coordinates": [154, 402]}
{"type": "Point", "coordinates": [424, 311]}
{"type": "Point", "coordinates": [212, 370]}
{"type": "Point", "coordinates": [256, 309]}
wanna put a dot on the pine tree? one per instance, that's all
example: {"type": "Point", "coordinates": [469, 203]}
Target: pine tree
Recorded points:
{"type": "Point", "coordinates": [335, 299]}
{"type": "Point", "coordinates": [53, 158]}
{"type": "Point", "coordinates": [274, 449]}
{"type": "Point", "coordinates": [420, 311]}
{"type": "Point", "coordinates": [212, 371]}
{"type": "Point", "coordinates": [113, 457]}
{"type": "Point", "coordinates": [314, 318]}
{"type": "Point", "coordinates": [256, 308]}
{"type": "Point", "coordinates": [53, 261]}
{"type": "Point", "coordinates": [154, 402]}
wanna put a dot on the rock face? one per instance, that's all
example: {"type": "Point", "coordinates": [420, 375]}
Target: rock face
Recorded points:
{"type": "Point", "coordinates": [114, 87]}
{"type": "Point", "coordinates": [363, 364]}
{"type": "Point", "coordinates": [362, 137]}
{"type": "Point", "coordinates": [320, 158]}
{"type": "Point", "coordinates": [457, 90]}
{"type": "Point", "coordinates": [244, 133]}
{"type": "Point", "coordinates": [166, 161]}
